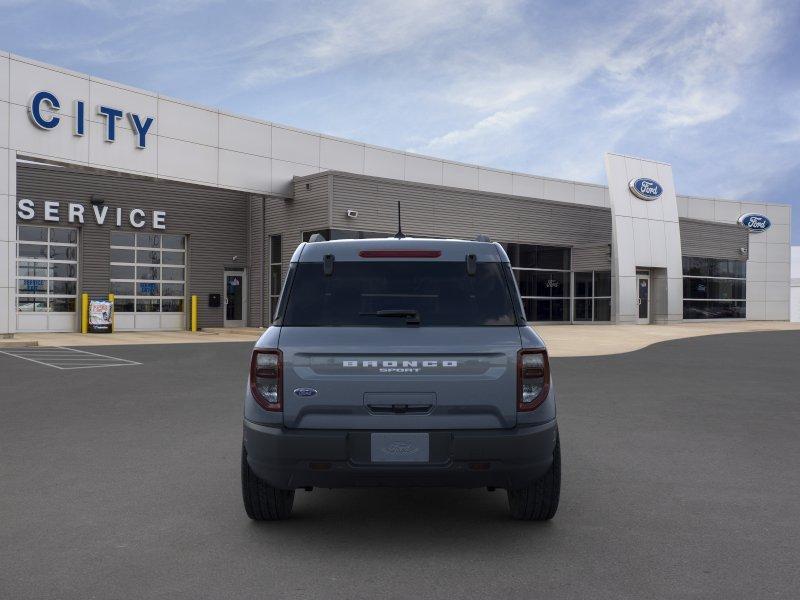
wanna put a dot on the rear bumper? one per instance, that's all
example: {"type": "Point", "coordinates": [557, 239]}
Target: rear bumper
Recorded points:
{"type": "Point", "coordinates": [296, 458]}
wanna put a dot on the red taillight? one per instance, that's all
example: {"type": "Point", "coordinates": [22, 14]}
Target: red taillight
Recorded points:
{"type": "Point", "coordinates": [533, 378]}
{"type": "Point", "coordinates": [400, 253]}
{"type": "Point", "coordinates": [266, 378]}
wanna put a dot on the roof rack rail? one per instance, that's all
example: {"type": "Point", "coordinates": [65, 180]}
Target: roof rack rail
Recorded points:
{"type": "Point", "coordinates": [316, 237]}
{"type": "Point", "coordinates": [482, 238]}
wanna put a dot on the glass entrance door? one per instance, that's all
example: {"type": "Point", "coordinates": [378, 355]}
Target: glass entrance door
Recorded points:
{"type": "Point", "coordinates": [643, 287]}
{"type": "Point", "coordinates": [235, 294]}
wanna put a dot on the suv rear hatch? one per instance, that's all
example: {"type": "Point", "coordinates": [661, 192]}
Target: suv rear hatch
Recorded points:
{"type": "Point", "coordinates": [400, 341]}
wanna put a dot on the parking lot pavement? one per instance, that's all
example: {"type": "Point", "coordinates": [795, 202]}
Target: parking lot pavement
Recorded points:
{"type": "Point", "coordinates": [680, 479]}
{"type": "Point", "coordinates": [67, 358]}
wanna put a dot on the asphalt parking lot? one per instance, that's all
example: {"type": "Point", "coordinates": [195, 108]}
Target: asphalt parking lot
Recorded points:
{"type": "Point", "coordinates": [681, 479]}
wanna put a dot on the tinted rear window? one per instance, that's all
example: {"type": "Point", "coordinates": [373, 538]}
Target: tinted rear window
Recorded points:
{"type": "Point", "coordinates": [441, 292]}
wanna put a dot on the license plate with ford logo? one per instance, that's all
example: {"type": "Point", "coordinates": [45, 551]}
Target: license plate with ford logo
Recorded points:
{"type": "Point", "coordinates": [400, 447]}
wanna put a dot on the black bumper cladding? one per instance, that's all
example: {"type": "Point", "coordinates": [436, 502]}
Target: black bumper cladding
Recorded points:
{"type": "Point", "coordinates": [297, 458]}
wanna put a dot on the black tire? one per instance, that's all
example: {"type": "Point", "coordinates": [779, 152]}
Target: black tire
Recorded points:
{"type": "Point", "coordinates": [538, 501]}
{"type": "Point", "coordinates": [262, 502]}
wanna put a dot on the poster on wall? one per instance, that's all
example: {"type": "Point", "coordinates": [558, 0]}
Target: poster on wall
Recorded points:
{"type": "Point", "coordinates": [100, 315]}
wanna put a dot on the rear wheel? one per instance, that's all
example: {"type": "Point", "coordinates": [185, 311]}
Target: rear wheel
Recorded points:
{"type": "Point", "coordinates": [262, 502]}
{"type": "Point", "coordinates": [538, 501]}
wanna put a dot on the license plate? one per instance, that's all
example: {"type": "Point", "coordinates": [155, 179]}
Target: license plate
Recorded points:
{"type": "Point", "coordinates": [400, 447]}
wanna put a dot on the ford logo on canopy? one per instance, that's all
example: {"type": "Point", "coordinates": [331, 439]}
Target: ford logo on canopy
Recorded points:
{"type": "Point", "coordinates": [646, 189]}
{"type": "Point", "coordinates": [755, 222]}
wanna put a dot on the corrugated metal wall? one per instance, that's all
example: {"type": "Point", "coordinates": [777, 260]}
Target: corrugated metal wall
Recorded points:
{"type": "Point", "coordinates": [448, 212]}
{"type": "Point", "coordinates": [713, 240]}
{"type": "Point", "coordinates": [215, 221]}
{"type": "Point", "coordinates": [591, 258]}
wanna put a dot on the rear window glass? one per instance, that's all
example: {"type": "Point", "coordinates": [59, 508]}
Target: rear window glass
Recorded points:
{"type": "Point", "coordinates": [439, 293]}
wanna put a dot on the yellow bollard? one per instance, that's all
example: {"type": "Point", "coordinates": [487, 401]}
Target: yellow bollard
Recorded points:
{"type": "Point", "coordinates": [194, 313]}
{"type": "Point", "coordinates": [84, 313]}
{"type": "Point", "coordinates": [113, 312]}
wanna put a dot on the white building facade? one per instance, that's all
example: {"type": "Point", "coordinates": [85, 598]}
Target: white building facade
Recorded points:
{"type": "Point", "coordinates": [80, 123]}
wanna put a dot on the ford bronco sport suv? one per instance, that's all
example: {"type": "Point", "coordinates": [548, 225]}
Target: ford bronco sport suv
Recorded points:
{"type": "Point", "coordinates": [400, 362]}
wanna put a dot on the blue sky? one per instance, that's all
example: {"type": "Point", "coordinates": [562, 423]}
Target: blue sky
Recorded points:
{"type": "Point", "coordinates": [712, 87]}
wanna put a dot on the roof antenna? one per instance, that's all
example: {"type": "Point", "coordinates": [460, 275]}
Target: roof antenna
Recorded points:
{"type": "Point", "coordinates": [399, 235]}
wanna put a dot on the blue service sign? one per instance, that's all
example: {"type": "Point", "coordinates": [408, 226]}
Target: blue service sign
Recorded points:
{"type": "Point", "coordinates": [755, 222]}
{"type": "Point", "coordinates": [646, 189]}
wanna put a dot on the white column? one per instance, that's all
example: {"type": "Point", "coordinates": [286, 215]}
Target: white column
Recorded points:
{"type": "Point", "coordinates": [8, 230]}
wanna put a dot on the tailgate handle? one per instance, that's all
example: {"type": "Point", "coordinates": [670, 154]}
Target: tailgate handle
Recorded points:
{"type": "Point", "coordinates": [399, 409]}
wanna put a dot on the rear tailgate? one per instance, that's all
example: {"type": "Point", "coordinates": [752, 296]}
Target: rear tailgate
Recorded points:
{"type": "Point", "coordinates": [400, 378]}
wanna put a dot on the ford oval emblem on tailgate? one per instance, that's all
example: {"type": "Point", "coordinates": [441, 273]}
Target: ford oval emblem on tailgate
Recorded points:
{"type": "Point", "coordinates": [305, 392]}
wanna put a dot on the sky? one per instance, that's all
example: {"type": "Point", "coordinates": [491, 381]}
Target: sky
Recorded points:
{"type": "Point", "coordinates": [712, 87]}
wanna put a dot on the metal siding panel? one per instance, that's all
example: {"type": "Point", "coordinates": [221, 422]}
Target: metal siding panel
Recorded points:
{"type": "Point", "coordinates": [214, 220]}
{"type": "Point", "coordinates": [448, 212]}
{"type": "Point", "coordinates": [591, 258]}
{"type": "Point", "coordinates": [712, 240]}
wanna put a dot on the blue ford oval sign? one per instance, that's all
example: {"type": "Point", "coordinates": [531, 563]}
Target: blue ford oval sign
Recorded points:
{"type": "Point", "coordinates": [305, 392]}
{"type": "Point", "coordinates": [646, 189]}
{"type": "Point", "coordinates": [755, 222]}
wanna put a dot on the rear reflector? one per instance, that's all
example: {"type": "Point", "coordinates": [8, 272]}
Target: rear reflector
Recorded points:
{"type": "Point", "coordinates": [400, 253]}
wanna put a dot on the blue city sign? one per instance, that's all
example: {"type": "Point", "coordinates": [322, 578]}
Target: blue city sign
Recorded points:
{"type": "Point", "coordinates": [646, 189]}
{"type": "Point", "coordinates": [44, 107]}
{"type": "Point", "coordinates": [754, 222]}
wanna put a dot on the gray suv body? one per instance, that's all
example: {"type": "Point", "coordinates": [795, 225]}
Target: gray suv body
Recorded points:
{"type": "Point", "coordinates": [400, 362]}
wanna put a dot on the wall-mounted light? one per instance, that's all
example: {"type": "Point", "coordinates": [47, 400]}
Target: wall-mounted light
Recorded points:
{"type": "Point", "coordinates": [352, 214]}
{"type": "Point", "coordinates": [743, 251]}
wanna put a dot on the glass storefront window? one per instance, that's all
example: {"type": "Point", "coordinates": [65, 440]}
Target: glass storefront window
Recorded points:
{"type": "Point", "coordinates": [275, 268]}
{"type": "Point", "coordinates": [592, 296]}
{"type": "Point", "coordinates": [714, 288]}
{"type": "Point", "coordinates": [138, 280]}
{"type": "Point", "coordinates": [544, 280]}
{"type": "Point", "coordinates": [47, 268]}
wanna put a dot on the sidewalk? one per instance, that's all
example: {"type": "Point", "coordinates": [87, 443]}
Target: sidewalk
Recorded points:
{"type": "Point", "coordinates": [561, 340]}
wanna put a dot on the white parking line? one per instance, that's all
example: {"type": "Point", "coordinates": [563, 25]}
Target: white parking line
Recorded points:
{"type": "Point", "coordinates": [67, 359]}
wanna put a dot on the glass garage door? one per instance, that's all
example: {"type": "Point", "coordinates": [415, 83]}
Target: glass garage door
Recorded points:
{"type": "Point", "coordinates": [148, 280]}
{"type": "Point", "coordinates": [47, 278]}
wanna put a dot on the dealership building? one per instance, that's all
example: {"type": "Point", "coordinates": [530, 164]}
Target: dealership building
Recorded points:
{"type": "Point", "coordinates": [107, 189]}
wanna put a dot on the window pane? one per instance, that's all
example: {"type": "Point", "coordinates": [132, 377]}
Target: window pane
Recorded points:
{"type": "Point", "coordinates": [122, 288]}
{"type": "Point", "coordinates": [122, 239]}
{"type": "Point", "coordinates": [172, 273]}
{"type": "Point", "coordinates": [602, 283]}
{"type": "Point", "coordinates": [546, 310]}
{"type": "Point", "coordinates": [148, 240]}
{"type": "Point", "coordinates": [32, 286]}
{"type": "Point", "coordinates": [711, 309]}
{"type": "Point", "coordinates": [602, 309]}
{"type": "Point", "coordinates": [32, 251]}
{"type": "Point", "coordinates": [275, 248]}
{"type": "Point", "coordinates": [543, 283]}
{"type": "Point", "coordinates": [172, 289]}
{"type": "Point", "coordinates": [123, 256]}
{"type": "Point", "coordinates": [27, 233]}
{"type": "Point", "coordinates": [583, 310]}
{"type": "Point", "coordinates": [275, 279]}
{"type": "Point", "coordinates": [63, 270]}
{"type": "Point", "coordinates": [147, 289]}
{"type": "Point", "coordinates": [31, 304]}
{"type": "Point", "coordinates": [583, 286]}
{"type": "Point", "coordinates": [64, 252]}
{"type": "Point", "coordinates": [714, 267]}
{"type": "Point", "coordinates": [172, 305]}
{"type": "Point", "coordinates": [118, 272]}
{"type": "Point", "coordinates": [62, 287]}
{"type": "Point", "coordinates": [176, 242]}
{"type": "Point", "coordinates": [538, 257]}
{"type": "Point", "coordinates": [173, 258]}
{"type": "Point", "coordinates": [32, 269]}
{"type": "Point", "coordinates": [62, 304]}
{"type": "Point", "coordinates": [147, 273]}
{"type": "Point", "coordinates": [123, 304]}
{"type": "Point", "coordinates": [441, 292]}
{"type": "Point", "coordinates": [714, 289]}
{"type": "Point", "coordinates": [63, 235]}
{"type": "Point", "coordinates": [148, 306]}
{"type": "Point", "coordinates": [148, 257]}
